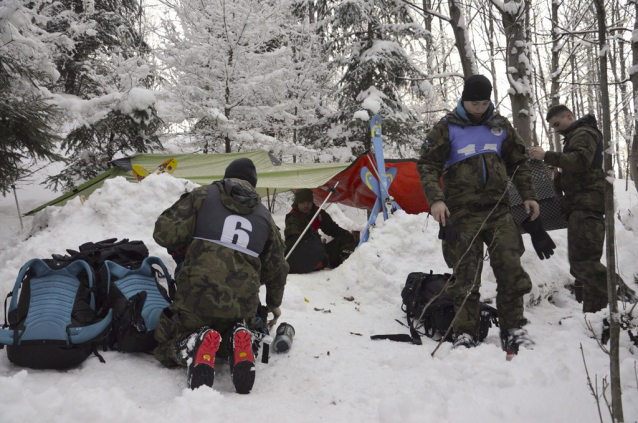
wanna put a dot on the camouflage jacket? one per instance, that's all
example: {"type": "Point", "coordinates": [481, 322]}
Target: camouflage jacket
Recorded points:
{"type": "Point", "coordinates": [296, 222]}
{"type": "Point", "coordinates": [477, 182]}
{"type": "Point", "coordinates": [217, 281]}
{"type": "Point", "coordinates": [582, 179]}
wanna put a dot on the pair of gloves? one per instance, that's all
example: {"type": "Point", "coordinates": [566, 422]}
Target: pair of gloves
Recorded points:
{"type": "Point", "coordinates": [542, 242]}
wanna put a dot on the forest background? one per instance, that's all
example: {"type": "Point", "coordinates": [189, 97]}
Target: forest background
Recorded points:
{"type": "Point", "coordinates": [85, 81]}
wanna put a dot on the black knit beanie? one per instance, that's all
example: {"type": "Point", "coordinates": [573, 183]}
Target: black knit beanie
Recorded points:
{"type": "Point", "coordinates": [242, 169]}
{"type": "Point", "coordinates": [477, 88]}
{"type": "Point", "coordinates": [303, 195]}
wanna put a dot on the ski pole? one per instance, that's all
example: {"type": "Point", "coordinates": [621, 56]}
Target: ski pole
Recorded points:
{"type": "Point", "coordinates": [332, 190]}
{"type": "Point", "coordinates": [17, 205]}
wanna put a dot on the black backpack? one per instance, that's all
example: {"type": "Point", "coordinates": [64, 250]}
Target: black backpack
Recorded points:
{"type": "Point", "coordinates": [53, 321]}
{"type": "Point", "coordinates": [420, 289]}
{"type": "Point", "coordinates": [137, 299]}
{"type": "Point", "coordinates": [130, 286]}
{"type": "Point", "coordinates": [430, 310]}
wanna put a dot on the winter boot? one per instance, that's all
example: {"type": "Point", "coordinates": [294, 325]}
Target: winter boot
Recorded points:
{"type": "Point", "coordinates": [201, 348]}
{"type": "Point", "coordinates": [464, 340]}
{"type": "Point", "coordinates": [242, 360]}
{"type": "Point", "coordinates": [511, 339]}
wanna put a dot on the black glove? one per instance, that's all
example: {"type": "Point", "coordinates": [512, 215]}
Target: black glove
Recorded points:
{"type": "Point", "coordinates": [448, 232]}
{"type": "Point", "coordinates": [179, 254]}
{"type": "Point", "coordinates": [542, 242]}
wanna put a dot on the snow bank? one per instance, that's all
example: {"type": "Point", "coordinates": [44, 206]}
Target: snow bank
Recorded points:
{"type": "Point", "coordinates": [334, 372]}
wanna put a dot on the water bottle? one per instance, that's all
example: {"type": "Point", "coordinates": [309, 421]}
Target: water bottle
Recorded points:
{"type": "Point", "coordinates": [283, 339]}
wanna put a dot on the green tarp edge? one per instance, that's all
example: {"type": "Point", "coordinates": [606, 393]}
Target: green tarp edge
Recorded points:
{"type": "Point", "coordinates": [203, 169]}
{"type": "Point", "coordinates": [84, 189]}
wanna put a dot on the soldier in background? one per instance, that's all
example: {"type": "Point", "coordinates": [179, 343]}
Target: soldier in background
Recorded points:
{"type": "Point", "coordinates": [311, 254]}
{"type": "Point", "coordinates": [232, 248]}
{"type": "Point", "coordinates": [479, 150]}
{"type": "Point", "coordinates": [582, 182]}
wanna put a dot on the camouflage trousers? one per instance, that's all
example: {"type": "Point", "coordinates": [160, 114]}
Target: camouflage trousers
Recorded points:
{"type": "Point", "coordinates": [505, 247]}
{"type": "Point", "coordinates": [585, 239]}
{"type": "Point", "coordinates": [335, 248]}
{"type": "Point", "coordinates": [173, 327]}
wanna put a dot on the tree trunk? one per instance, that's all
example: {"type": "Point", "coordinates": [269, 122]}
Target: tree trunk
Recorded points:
{"type": "Point", "coordinates": [518, 72]}
{"type": "Point", "coordinates": [612, 283]}
{"type": "Point", "coordinates": [555, 89]}
{"type": "Point", "coordinates": [462, 40]}
{"type": "Point", "coordinates": [492, 55]}
{"type": "Point", "coordinates": [633, 157]}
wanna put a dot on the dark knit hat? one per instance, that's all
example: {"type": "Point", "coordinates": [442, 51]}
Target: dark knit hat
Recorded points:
{"type": "Point", "coordinates": [477, 88]}
{"type": "Point", "coordinates": [242, 169]}
{"type": "Point", "coordinates": [303, 195]}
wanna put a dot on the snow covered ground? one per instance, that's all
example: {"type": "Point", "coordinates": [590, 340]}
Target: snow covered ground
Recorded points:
{"type": "Point", "coordinates": [334, 372]}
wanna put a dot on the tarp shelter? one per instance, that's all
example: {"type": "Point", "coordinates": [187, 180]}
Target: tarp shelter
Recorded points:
{"type": "Point", "coordinates": [273, 174]}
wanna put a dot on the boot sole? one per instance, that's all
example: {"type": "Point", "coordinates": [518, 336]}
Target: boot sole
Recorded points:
{"type": "Point", "coordinates": [243, 371]}
{"type": "Point", "coordinates": [202, 369]}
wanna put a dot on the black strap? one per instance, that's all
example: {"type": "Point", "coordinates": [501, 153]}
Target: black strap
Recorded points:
{"type": "Point", "coordinates": [399, 337]}
{"type": "Point", "coordinates": [416, 339]}
{"type": "Point", "coordinates": [6, 322]}
{"type": "Point", "coordinates": [265, 353]}
{"type": "Point", "coordinates": [97, 354]}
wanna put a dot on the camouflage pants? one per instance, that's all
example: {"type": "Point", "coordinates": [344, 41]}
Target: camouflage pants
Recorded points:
{"type": "Point", "coordinates": [174, 327]}
{"type": "Point", "coordinates": [585, 238]}
{"type": "Point", "coordinates": [335, 248]}
{"type": "Point", "coordinates": [505, 247]}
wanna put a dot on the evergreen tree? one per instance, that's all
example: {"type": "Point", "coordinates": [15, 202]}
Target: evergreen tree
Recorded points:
{"type": "Point", "coordinates": [366, 41]}
{"type": "Point", "coordinates": [121, 132]}
{"type": "Point", "coordinates": [26, 115]}
{"type": "Point", "coordinates": [100, 54]}
{"type": "Point", "coordinates": [233, 69]}
{"type": "Point", "coordinates": [89, 35]}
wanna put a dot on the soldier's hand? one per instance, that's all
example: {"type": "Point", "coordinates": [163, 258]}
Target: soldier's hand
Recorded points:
{"type": "Point", "coordinates": [276, 312]}
{"type": "Point", "coordinates": [536, 153]}
{"type": "Point", "coordinates": [439, 211]}
{"type": "Point", "coordinates": [532, 205]}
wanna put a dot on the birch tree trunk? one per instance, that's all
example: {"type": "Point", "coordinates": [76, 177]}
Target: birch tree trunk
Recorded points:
{"type": "Point", "coordinates": [513, 13]}
{"type": "Point", "coordinates": [633, 74]}
{"type": "Point", "coordinates": [612, 283]}
{"type": "Point", "coordinates": [466, 53]}
{"type": "Point", "coordinates": [555, 93]}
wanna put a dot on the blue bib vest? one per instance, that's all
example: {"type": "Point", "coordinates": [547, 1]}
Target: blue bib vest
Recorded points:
{"type": "Point", "coordinates": [246, 233]}
{"type": "Point", "coordinates": [472, 140]}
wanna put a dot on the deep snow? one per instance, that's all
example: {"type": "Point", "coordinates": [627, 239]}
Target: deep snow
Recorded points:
{"type": "Point", "coordinates": [334, 372]}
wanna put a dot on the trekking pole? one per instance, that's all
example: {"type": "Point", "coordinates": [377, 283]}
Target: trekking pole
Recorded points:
{"type": "Point", "coordinates": [332, 190]}
{"type": "Point", "coordinates": [17, 204]}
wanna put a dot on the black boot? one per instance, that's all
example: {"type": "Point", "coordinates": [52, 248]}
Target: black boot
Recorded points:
{"type": "Point", "coordinates": [464, 340]}
{"type": "Point", "coordinates": [511, 339]}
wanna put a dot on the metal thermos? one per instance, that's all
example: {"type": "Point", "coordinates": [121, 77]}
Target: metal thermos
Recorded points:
{"type": "Point", "coordinates": [283, 339]}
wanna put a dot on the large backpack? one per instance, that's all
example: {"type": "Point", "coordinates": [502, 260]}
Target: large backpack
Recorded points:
{"type": "Point", "coordinates": [137, 300]}
{"type": "Point", "coordinates": [422, 288]}
{"type": "Point", "coordinates": [53, 321]}
{"type": "Point", "coordinates": [430, 310]}
{"type": "Point", "coordinates": [113, 282]}
{"type": "Point", "coordinates": [128, 283]}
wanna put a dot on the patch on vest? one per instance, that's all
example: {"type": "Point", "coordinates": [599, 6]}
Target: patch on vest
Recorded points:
{"type": "Point", "coordinates": [498, 131]}
{"type": "Point", "coordinates": [427, 145]}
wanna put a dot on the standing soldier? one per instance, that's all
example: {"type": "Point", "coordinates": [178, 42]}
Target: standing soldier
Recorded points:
{"type": "Point", "coordinates": [479, 149]}
{"type": "Point", "coordinates": [232, 247]}
{"type": "Point", "coordinates": [582, 181]}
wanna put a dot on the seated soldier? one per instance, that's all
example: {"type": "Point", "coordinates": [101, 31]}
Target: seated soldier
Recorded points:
{"type": "Point", "coordinates": [311, 254]}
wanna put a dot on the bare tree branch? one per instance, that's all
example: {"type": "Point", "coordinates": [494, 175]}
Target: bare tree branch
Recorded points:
{"type": "Point", "coordinates": [593, 391]}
